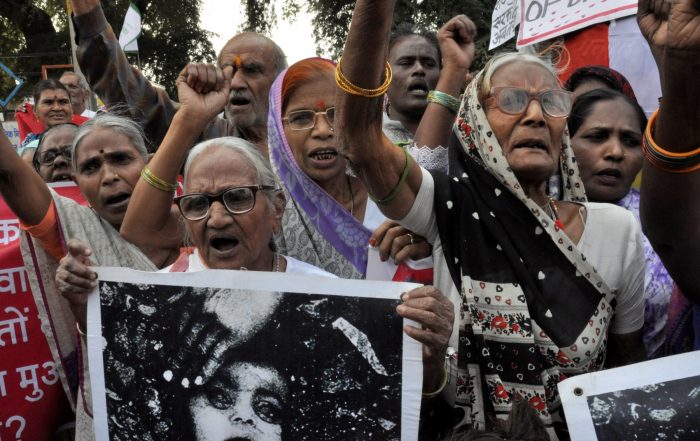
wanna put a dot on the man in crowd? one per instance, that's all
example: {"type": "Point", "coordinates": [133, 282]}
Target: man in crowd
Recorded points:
{"type": "Point", "coordinates": [256, 61]}
{"type": "Point", "coordinates": [79, 93]}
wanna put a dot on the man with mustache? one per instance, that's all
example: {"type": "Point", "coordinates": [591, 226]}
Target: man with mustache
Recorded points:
{"type": "Point", "coordinates": [256, 61]}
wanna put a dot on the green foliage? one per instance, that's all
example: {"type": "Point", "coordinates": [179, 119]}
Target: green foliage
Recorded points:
{"type": "Point", "coordinates": [171, 37]}
{"type": "Point", "coordinates": [331, 18]}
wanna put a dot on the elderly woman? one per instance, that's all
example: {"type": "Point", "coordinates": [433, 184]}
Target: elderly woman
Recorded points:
{"type": "Point", "coordinates": [52, 158]}
{"type": "Point", "coordinates": [542, 288]}
{"type": "Point", "coordinates": [107, 155]}
{"type": "Point", "coordinates": [329, 218]}
{"type": "Point", "coordinates": [231, 228]}
{"type": "Point", "coordinates": [606, 135]}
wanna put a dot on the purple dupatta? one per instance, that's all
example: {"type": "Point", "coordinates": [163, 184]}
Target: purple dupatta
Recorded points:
{"type": "Point", "coordinates": [335, 225]}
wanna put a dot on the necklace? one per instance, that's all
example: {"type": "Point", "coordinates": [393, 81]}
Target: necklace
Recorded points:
{"type": "Point", "coordinates": [554, 213]}
{"type": "Point", "coordinates": [276, 263]}
{"type": "Point", "coordinates": [352, 196]}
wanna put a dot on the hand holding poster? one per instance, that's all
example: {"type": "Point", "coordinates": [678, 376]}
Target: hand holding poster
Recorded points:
{"type": "Point", "coordinates": [250, 355]}
{"type": "Point", "coordinates": [545, 19]}
{"type": "Point", "coordinates": [654, 400]}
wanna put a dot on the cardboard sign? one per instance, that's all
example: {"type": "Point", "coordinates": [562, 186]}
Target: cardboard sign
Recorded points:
{"type": "Point", "coordinates": [503, 22]}
{"type": "Point", "coordinates": [545, 19]}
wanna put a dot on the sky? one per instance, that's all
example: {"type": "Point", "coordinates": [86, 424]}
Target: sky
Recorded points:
{"type": "Point", "coordinates": [224, 17]}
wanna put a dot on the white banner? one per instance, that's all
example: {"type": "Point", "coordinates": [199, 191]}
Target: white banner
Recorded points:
{"type": "Point", "coordinates": [545, 19]}
{"type": "Point", "coordinates": [131, 29]}
{"type": "Point", "coordinates": [504, 19]}
{"type": "Point", "coordinates": [649, 401]}
{"type": "Point", "coordinates": [250, 355]}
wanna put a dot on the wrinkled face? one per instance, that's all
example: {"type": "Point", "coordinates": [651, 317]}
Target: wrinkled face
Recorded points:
{"type": "Point", "coordinates": [588, 85]}
{"type": "Point", "coordinates": [246, 402]}
{"type": "Point", "coordinates": [315, 149]}
{"type": "Point", "coordinates": [225, 240]}
{"type": "Point", "coordinates": [608, 150]}
{"type": "Point", "coordinates": [531, 141]}
{"type": "Point", "coordinates": [252, 58]}
{"type": "Point", "coordinates": [56, 142]}
{"type": "Point", "coordinates": [54, 107]}
{"type": "Point", "coordinates": [416, 67]}
{"type": "Point", "coordinates": [77, 92]}
{"type": "Point", "coordinates": [107, 169]}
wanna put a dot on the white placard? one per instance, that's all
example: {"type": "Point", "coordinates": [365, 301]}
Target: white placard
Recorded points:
{"type": "Point", "coordinates": [653, 400]}
{"type": "Point", "coordinates": [545, 19]}
{"type": "Point", "coordinates": [184, 348]}
{"type": "Point", "coordinates": [503, 22]}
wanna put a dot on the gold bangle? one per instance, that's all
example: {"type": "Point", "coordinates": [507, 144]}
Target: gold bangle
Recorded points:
{"type": "Point", "coordinates": [352, 89]}
{"type": "Point", "coordinates": [440, 388]}
{"type": "Point", "coordinates": [156, 182]}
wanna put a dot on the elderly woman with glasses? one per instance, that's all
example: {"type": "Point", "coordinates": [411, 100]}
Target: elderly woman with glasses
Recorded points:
{"type": "Point", "coordinates": [329, 218]}
{"type": "Point", "coordinates": [543, 289]}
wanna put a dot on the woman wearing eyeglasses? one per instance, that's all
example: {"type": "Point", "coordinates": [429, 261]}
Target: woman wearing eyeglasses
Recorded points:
{"type": "Point", "coordinates": [329, 218]}
{"type": "Point", "coordinates": [543, 289]}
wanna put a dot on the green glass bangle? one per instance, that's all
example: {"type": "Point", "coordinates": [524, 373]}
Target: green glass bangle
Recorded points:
{"type": "Point", "coordinates": [397, 187]}
{"type": "Point", "coordinates": [440, 388]}
{"type": "Point", "coordinates": [444, 99]}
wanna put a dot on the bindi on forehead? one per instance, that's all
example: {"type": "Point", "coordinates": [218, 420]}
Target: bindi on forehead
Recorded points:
{"type": "Point", "coordinates": [320, 104]}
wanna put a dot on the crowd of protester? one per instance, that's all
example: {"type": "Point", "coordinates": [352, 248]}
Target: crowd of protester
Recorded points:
{"type": "Point", "coordinates": [519, 192]}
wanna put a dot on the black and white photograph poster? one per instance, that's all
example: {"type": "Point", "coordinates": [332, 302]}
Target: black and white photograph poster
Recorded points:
{"type": "Point", "coordinates": [236, 355]}
{"type": "Point", "coordinates": [657, 400]}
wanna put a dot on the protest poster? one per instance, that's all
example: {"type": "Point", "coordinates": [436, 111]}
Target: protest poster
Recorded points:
{"type": "Point", "coordinates": [503, 22]}
{"type": "Point", "coordinates": [545, 19]}
{"type": "Point", "coordinates": [250, 355]}
{"type": "Point", "coordinates": [653, 400]}
{"type": "Point", "coordinates": [33, 403]}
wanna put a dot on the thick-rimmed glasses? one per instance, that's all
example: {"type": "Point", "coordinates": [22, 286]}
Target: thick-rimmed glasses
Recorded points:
{"type": "Point", "coordinates": [555, 103]}
{"type": "Point", "coordinates": [49, 156]}
{"type": "Point", "coordinates": [236, 200]}
{"type": "Point", "coordinates": [306, 119]}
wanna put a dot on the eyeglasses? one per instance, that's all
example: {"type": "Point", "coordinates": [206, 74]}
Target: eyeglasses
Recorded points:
{"type": "Point", "coordinates": [555, 103]}
{"type": "Point", "coordinates": [236, 200]}
{"type": "Point", "coordinates": [306, 119]}
{"type": "Point", "coordinates": [49, 156]}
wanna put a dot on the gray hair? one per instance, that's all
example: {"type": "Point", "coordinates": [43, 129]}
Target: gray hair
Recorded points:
{"type": "Point", "coordinates": [81, 79]}
{"type": "Point", "coordinates": [263, 169]}
{"type": "Point", "coordinates": [504, 58]}
{"type": "Point", "coordinates": [118, 124]}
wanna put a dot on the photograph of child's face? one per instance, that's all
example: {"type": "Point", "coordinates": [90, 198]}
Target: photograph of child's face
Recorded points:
{"type": "Point", "coordinates": [245, 401]}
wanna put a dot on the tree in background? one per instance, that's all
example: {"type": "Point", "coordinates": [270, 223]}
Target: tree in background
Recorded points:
{"type": "Point", "coordinates": [35, 32]}
{"type": "Point", "coordinates": [331, 18]}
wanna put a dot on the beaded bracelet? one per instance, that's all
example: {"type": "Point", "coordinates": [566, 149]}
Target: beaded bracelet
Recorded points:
{"type": "Point", "coordinates": [352, 89]}
{"type": "Point", "coordinates": [441, 387]}
{"type": "Point", "coordinates": [397, 187]}
{"type": "Point", "coordinates": [444, 99]}
{"type": "Point", "coordinates": [156, 182]}
{"type": "Point", "coordinates": [664, 160]}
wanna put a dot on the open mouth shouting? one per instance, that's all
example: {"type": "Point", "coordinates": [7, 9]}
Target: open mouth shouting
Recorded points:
{"type": "Point", "coordinates": [117, 202]}
{"type": "Point", "coordinates": [418, 88]}
{"type": "Point", "coordinates": [324, 156]}
{"type": "Point", "coordinates": [223, 245]}
{"type": "Point", "coordinates": [238, 100]}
